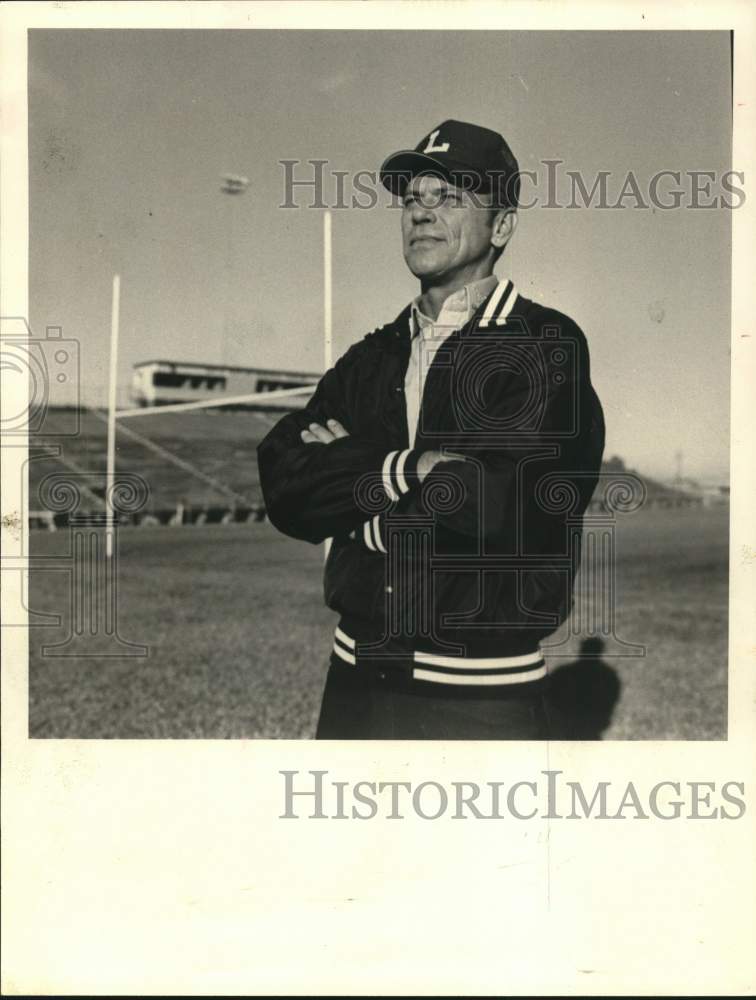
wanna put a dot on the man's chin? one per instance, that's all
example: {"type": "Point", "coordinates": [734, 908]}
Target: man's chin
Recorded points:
{"type": "Point", "coordinates": [423, 267]}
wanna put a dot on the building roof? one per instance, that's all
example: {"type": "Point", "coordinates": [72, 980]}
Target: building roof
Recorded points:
{"type": "Point", "coordinates": [228, 368]}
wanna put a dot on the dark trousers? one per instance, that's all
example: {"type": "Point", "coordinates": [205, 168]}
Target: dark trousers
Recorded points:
{"type": "Point", "coordinates": [367, 702]}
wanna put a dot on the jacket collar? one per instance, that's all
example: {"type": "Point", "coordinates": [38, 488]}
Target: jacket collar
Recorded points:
{"type": "Point", "coordinates": [494, 311]}
{"type": "Point", "coordinates": [459, 307]}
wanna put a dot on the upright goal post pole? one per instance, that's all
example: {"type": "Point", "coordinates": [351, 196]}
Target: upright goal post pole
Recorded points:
{"type": "Point", "coordinates": [112, 385]}
{"type": "Point", "coordinates": [327, 309]}
{"type": "Point", "coordinates": [327, 291]}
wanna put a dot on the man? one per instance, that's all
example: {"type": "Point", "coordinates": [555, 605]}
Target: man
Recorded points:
{"type": "Point", "coordinates": [450, 456]}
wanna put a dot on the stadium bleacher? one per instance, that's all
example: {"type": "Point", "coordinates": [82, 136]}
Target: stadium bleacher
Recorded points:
{"type": "Point", "coordinates": [199, 466]}
{"type": "Point", "coordinates": [203, 461]}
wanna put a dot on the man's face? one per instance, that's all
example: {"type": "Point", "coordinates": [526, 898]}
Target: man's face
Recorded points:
{"type": "Point", "coordinates": [443, 230]}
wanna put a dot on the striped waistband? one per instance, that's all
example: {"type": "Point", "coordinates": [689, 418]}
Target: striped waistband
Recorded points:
{"type": "Point", "coordinates": [460, 669]}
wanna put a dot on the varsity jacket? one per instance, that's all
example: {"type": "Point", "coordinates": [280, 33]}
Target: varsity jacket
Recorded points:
{"type": "Point", "coordinates": [463, 574]}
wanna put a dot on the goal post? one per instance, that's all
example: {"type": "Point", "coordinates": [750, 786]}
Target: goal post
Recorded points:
{"type": "Point", "coordinates": [247, 399]}
{"type": "Point", "coordinates": [327, 312]}
{"type": "Point", "coordinates": [112, 386]}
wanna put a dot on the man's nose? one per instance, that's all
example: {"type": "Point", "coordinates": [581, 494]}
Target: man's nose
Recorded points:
{"type": "Point", "coordinates": [423, 211]}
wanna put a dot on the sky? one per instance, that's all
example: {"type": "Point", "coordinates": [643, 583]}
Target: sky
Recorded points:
{"type": "Point", "coordinates": [130, 132]}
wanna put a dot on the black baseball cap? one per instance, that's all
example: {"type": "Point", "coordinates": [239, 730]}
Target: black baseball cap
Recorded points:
{"type": "Point", "coordinates": [469, 156]}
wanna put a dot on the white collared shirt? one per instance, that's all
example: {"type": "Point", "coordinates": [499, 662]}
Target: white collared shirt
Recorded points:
{"type": "Point", "coordinates": [428, 335]}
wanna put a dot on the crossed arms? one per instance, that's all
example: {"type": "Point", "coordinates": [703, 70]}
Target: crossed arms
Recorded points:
{"type": "Point", "coordinates": [311, 466]}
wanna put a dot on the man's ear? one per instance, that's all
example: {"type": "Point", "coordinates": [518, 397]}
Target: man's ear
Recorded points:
{"type": "Point", "coordinates": [504, 225]}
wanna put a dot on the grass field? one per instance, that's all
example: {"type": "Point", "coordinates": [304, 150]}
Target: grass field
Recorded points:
{"type": "Point", "coordinates": [238, 635]}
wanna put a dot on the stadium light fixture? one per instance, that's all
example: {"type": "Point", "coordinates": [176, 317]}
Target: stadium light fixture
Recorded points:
{"type": "Point", "coordinates": [234, 184]}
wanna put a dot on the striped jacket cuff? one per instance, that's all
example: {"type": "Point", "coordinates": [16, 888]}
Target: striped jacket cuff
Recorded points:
{"type": "Point", "coordinates": [372, 536]}
{"type": "Point", "coordinates": [399, 472]}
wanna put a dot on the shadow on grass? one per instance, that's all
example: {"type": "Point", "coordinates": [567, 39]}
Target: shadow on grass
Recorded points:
{"type": "Point", "coordinates": [583, 695]}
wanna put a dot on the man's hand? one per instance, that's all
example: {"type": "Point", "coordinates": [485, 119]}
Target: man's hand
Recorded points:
{"type": "Point", "coordinates": [429, 459]}
{"type": "Point", "coordinates": [317, 434]}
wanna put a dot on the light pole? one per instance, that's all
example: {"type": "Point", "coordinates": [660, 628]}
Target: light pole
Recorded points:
{"type": "Point", "coordinates": [232, 185]}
